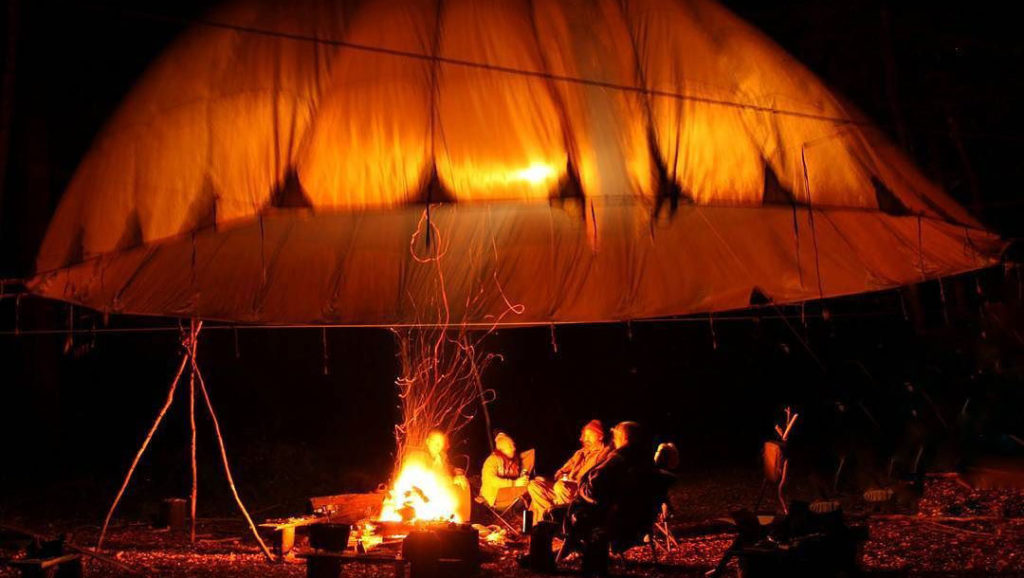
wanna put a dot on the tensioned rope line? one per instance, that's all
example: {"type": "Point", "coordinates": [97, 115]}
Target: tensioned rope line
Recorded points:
{"type": "Point", "coordinates": [234, 327]}
{"type": "Point", "coordinates": [479, 65]}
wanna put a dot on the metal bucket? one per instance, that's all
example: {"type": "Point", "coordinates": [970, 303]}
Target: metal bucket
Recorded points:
{"type": "Point", "coordinates": [329, 536]}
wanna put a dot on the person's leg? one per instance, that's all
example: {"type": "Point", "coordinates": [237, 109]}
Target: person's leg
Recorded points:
{"type": "Point", "coordinates": [564, 492]}
{"type": "Point", "coordinates": [542, 497]}
{"type": "Point", "coordinates": [461, 488]}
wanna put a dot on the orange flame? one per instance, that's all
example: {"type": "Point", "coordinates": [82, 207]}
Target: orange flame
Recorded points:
{"type": "Point", "coordinates": [421, 493]}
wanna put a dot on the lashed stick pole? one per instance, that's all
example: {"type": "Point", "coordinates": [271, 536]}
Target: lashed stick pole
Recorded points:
{"type": "Point", "coordinates": [145, 444]}
{"type": "Point", "coordinates": [192, 425]}
{"type": "Point", "coordinates": [224, 458]}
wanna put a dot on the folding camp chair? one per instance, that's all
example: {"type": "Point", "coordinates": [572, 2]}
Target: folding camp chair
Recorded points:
{"type": "Point", "coordinates": [661, 537]}
{"type": "Point", "coordinates": [505, 505]}
{"type": "Point", "coordinates": [509, 500]}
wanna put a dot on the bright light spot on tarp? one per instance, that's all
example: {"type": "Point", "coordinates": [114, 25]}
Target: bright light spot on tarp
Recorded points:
{"type": "Point", "coordinates": [536, 173]}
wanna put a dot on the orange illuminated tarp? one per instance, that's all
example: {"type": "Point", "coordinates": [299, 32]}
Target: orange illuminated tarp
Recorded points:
{"type": "Point", "coordinates": [595, 160]}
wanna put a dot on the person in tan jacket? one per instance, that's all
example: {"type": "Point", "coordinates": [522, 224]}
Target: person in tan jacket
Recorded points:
{"type": "Point", "coordinates": [544, 493]}
{"type": "Point", "coordinates": [502, 469]}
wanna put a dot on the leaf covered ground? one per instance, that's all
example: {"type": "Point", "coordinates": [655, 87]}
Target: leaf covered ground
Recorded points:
{"type": "Point", "coordinates": [954, 531]}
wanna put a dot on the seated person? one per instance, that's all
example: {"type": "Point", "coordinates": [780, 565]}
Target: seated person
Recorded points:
{"type": "Point", "coordinates": [502, 469]}
{"type": "Point", "coordinates": [437, 454]}
{"type": "Point", "coordinates": [616, 499]}
{"type": "Point", "coordinates": [544, 494]}
{"type": "Point", "coordinates": [666, 462]}
{"type": "Point", "coordinates": [666, 457]}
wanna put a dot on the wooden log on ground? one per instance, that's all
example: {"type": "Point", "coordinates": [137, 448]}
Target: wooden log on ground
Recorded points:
{"type": "Point", "coordinates": [348, 508]}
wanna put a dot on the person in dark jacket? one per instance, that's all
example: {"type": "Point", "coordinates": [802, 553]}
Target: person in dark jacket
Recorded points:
{"type": "Point", "coordinates": [545, 493]}
{"type": "Point", "coordinates": [615, 503]}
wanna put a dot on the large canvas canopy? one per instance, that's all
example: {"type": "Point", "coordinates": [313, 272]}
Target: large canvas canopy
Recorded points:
{"type": "Point", "coordinates": [586, 160]}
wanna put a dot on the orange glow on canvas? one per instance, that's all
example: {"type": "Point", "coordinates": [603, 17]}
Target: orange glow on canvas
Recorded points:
{"type": "Point", "coordinates": [536, 173]}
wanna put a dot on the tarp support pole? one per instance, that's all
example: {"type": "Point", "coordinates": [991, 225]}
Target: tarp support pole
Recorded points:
{"type": "Point", "coordinates": [810, 221]}
{"type": "Point", "coordinates": [189, 357]}
{"type": "Point", "coordinates": [145, 443]}
{"type": "Point", "coordinates": [714, 338]}
{"type": "Point", "coordinates": [193, 498]}
{"type": "Point", "coordinates": [227, 468]}
{"type": "Point", "coordinates": [483, 400]}
{"type": "Point", "coordinates": [326, 354]}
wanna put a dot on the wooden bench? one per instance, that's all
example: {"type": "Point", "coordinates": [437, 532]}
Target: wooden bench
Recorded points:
{"type": "Point", "coordinates": [340, 508]}
{"type": "Point", "coordinates": [284, 531]}
{"type": "Point", "coordinates": [330, 564]}
{"type": "Point", "coordinates": [66, 566]}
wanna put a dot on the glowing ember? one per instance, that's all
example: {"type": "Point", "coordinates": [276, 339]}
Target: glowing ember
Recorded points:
{"type": "Point", "coordinates": [367, 537]}
{"type": "Point", "coordinates": [421, 493]}
{"type": "Point", "coordinates": [496, 538]}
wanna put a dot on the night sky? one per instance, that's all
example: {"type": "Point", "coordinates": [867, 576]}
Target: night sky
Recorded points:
{"type": "Point", "coordinates": [944, 81]}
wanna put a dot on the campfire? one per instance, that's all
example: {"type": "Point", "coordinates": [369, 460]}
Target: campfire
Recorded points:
{"type": "Point", "coordinates": [440, 391]}
{"type": "Point", "coordinates": [420, 493]}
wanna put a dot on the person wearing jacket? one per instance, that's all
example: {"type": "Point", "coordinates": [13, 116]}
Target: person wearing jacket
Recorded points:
{"type": "Point", "coordinates": [616, 499]}
{"type": "Point", "coordinates": [545, 494]}
{"type": "Point", "coordinates": [502, 469]}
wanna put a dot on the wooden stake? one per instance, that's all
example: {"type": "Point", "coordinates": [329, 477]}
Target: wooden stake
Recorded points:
{"type": "Point", "coordinates": [192, 425]}
{"type": "Point", "coordinates": [142, 450]}
{"type": "Point", "coordinates": [224, 459]}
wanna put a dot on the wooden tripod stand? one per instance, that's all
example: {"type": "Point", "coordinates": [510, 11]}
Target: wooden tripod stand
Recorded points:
{"type": "Point", "coordinates": [190, 342]}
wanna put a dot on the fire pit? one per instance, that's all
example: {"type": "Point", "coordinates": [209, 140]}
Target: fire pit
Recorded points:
{"type": "Point", "coordinates": [330, 537]}
{"type": "Point", "coordinates": [442, 550]}
{"type": "Point", "coordinates": [430, 549]}
{"type": "Point", "coordinates": [418, 521]}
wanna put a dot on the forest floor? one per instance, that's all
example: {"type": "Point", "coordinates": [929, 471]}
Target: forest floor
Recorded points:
{"type": "Point", "coordinates": [950, 530]}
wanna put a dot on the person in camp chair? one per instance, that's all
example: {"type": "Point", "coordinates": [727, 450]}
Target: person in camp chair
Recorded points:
{"type": "Point", "coordinates": [502, 469]}
{"type": "Point", "coordinates": [545, 494]}
{"type": "Point", "coordinates": [616, 502]}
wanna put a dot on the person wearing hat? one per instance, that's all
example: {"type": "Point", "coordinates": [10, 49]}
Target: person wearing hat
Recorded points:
{"type": "Point", "coordinates": [617, 496]}
{"type": "Point", "coordinates": [606, 483]}
{"type": "Point", "coordinates": [544, 493]}
{"type": "Point", "coordinates": [666, 457]}
{"type": "Point", "coordinates": [502, 469]}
